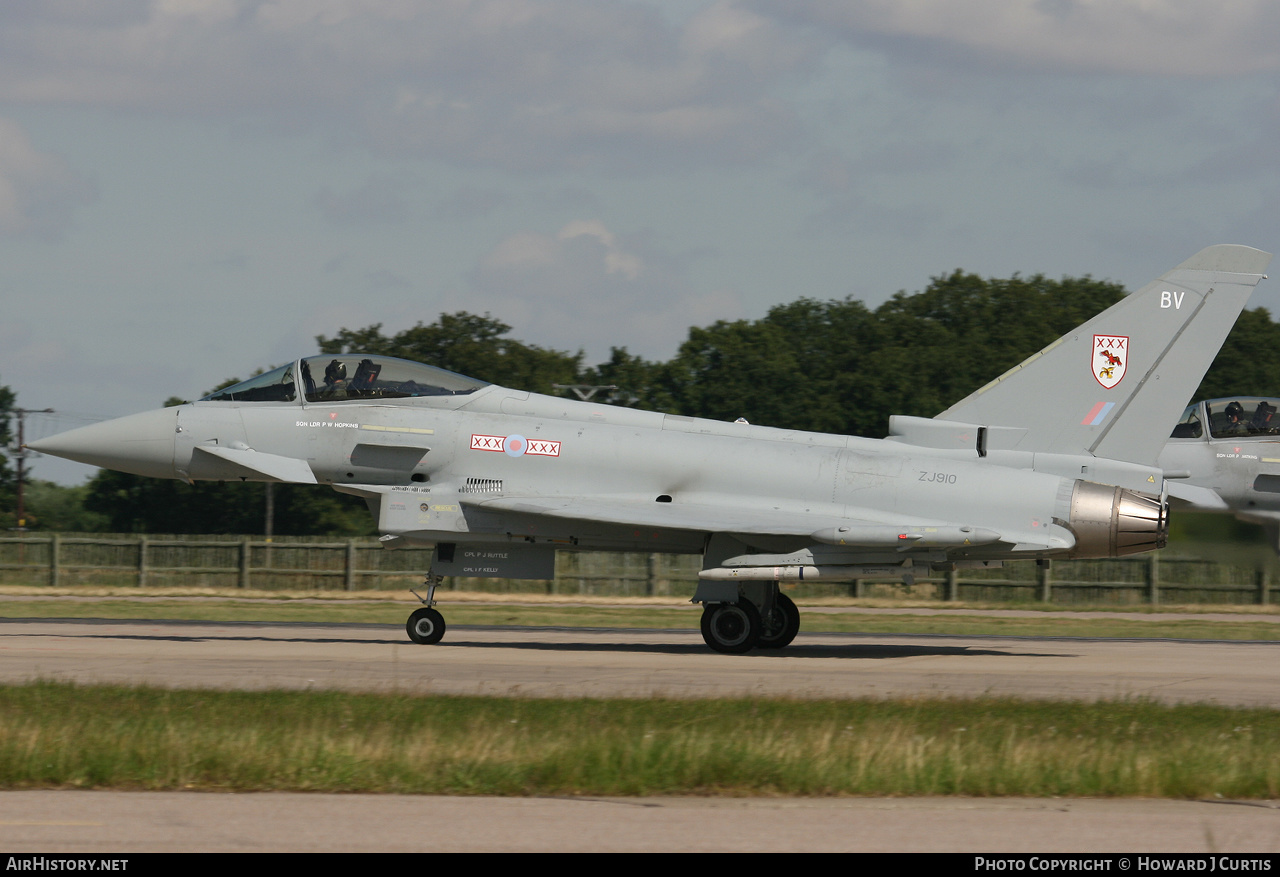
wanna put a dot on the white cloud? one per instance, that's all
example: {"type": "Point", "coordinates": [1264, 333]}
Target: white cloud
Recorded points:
{"type": "Point", "coordinates": [380, 200]}
{"type": "Point", "coordinates": [38, 190]}
{"type": "Point", "coordinates": [504, 83]}
{"type": "Point", "coordinates": [1160, 37]}
{"type": "Point", "coordinates": [522, 251]}
{"type": "Point", "coordinates": [615, 260]}
{"type": "Point", "coordinates": [586, 287]}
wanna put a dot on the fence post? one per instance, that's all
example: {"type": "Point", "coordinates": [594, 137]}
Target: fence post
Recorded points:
{"type": "Point", "coordinates": [659, 572]}
{"type": "Point", "coordinates": [244, 563]}
{"type": "Point", "coordinates": [53, 560]}
{"type": "Point", "coordinates": [142, 561]}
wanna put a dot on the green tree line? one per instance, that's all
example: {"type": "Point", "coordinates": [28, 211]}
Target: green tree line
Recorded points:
{"type": "Point", "coordinates": [831, 366]}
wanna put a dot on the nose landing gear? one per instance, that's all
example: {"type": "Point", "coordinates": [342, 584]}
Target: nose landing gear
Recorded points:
{"type": "Point", "coordinates": [426, 625]}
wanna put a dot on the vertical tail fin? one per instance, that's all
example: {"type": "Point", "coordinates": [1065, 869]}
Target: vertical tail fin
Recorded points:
{"type": "Point", "coordinates": [1114, 387]}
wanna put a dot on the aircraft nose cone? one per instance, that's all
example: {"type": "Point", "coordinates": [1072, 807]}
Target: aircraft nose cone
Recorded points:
{"type": "Point", "coordinates": [140, 443]}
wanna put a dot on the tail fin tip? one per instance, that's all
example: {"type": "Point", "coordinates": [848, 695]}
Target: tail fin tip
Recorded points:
{"type": "Point", "coordinates": [1230, 258]}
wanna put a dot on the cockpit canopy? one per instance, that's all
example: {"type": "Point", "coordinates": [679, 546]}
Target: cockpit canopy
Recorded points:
{"type": "Point", "coordinates": [1233, 417]}
{"type": "Point", "coordinates": [344, 376]}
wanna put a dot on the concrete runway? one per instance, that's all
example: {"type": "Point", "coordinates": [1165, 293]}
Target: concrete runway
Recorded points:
{"type": "Point", "coordinates": [570, 662]}
{"type": "Point", "coordinates": [631, 663]}
{"type": "Point", "coordinates": [132, 822]}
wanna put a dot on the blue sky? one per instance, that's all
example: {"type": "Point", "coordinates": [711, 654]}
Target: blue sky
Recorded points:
{"type": "Point", "coordinates": [191, 189]}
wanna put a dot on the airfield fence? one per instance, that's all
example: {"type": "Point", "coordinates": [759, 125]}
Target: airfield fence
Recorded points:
{"type": "Point", "coordinates": [317, 563]}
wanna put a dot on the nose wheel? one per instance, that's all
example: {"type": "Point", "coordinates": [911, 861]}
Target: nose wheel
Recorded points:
{"type": "Point", "coordinates": [426, 626]}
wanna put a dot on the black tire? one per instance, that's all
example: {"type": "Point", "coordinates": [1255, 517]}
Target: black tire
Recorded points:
{"type": "Point", "coordinates": [778, 630]}
{"type": "Point", "coordinates": [731, 628]}
{"type": "Point", "coordinates": [425, 627]}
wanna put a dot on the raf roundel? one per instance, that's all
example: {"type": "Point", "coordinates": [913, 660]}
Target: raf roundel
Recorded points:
{"type": "Point", "coordinates": [515, 445]}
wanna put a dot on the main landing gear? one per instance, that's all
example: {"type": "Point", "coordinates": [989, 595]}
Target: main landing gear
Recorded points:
{"type": "Point", "coordinates": [729, 628]}
{"type": "Point", "coordinates": [737, 628]}
{"type": "Point", "coordinates": [426, 626]}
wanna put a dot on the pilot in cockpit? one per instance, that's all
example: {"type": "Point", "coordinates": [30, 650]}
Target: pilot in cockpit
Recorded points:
{"type": "Point", "coordinates": [335, 378]}
{"type": "Point", "coordinates": [1235, 419]}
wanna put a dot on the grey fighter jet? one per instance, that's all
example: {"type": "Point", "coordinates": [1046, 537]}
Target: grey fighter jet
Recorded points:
{"type": "Point", "coordinates": [1224, 456]}
{"type": "Point", "coordinates": [1055, 458]}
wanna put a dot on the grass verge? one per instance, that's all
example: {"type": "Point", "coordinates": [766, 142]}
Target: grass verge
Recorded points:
{"type": "Point", "coordinates": [844, 620]}
{"type": "Point", "coordinates": [56, 735]}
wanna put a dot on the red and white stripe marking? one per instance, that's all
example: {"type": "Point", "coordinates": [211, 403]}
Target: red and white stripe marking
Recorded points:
{"type": "Point", "coordinates": [498, 443]}
{"type": "Point", "coordinates": [487, 442]}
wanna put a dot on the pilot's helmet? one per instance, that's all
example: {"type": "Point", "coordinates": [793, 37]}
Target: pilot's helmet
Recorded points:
{"type": "Point", "coordinates": [335, 371]}
{"type": "Point", "coordinates": [1235, 410]}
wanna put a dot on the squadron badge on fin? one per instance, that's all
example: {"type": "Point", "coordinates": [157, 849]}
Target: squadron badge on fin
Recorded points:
{"type": "Point", "coordinates": [1110, 355]}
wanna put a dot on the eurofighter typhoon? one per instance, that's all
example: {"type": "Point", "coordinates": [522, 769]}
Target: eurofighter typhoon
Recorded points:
{"type": "Point", "coordinates": [1224, 456]}
{"type": "Point", "coordinates": [1056, 458]}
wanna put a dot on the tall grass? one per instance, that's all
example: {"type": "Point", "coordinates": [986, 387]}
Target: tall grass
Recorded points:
{"type": "Point", "coordinates": [58, 735]}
